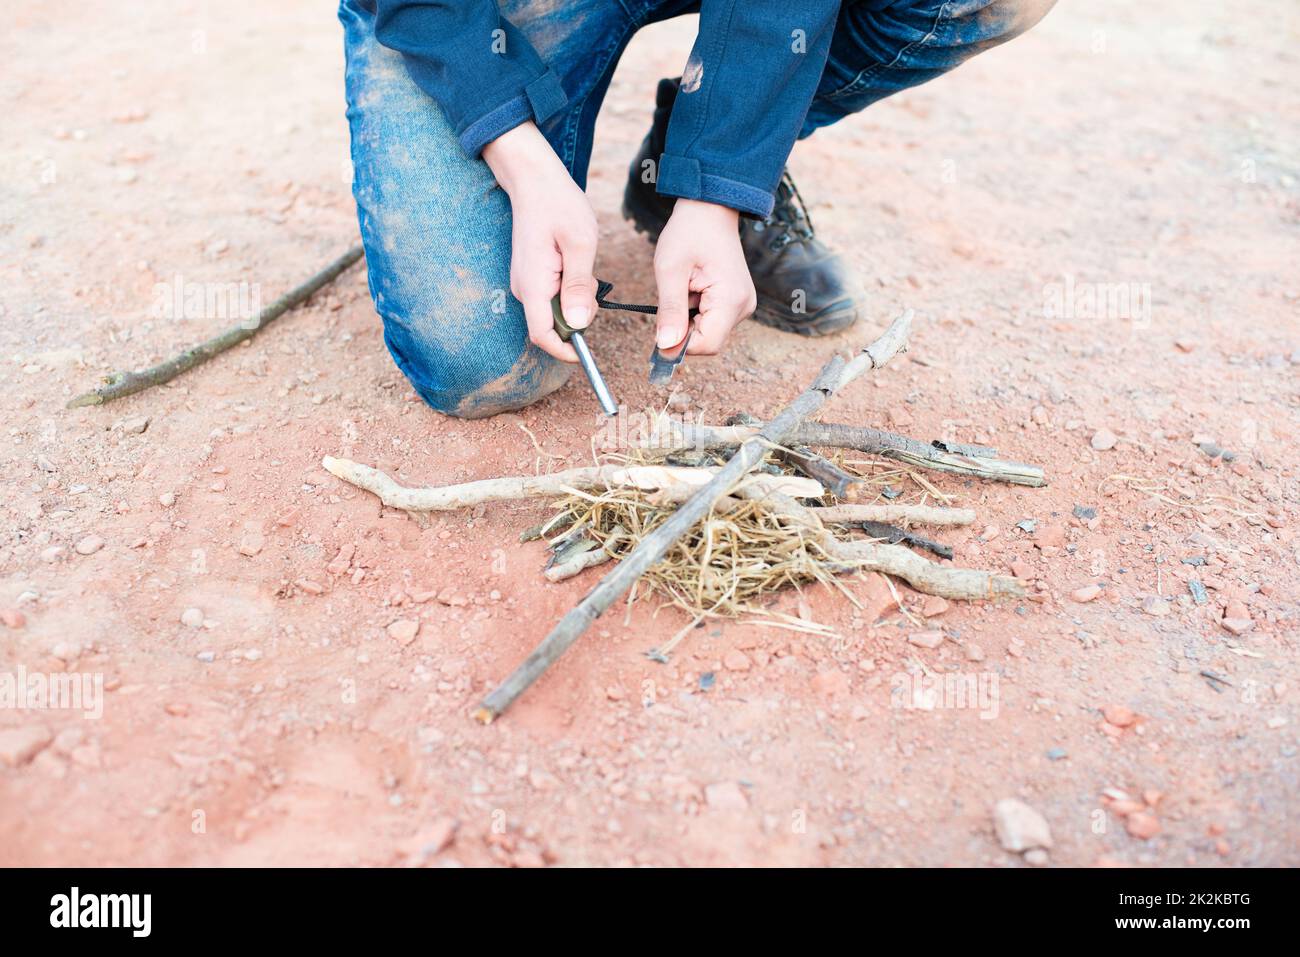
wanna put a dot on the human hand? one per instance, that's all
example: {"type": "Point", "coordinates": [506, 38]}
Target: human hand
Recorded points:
{"type": "Point", "coordinates": [699, 256]}
{"type": "Point", "coordinates": [553, 244]}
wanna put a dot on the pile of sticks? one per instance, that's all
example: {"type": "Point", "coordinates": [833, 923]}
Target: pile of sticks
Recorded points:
{"type": "Point", "coordinates": [697, 493]}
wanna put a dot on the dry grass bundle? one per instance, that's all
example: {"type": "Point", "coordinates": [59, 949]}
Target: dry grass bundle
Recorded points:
{"type": "Point", "coordinates": [741, 554]}
{"type": "Point", "coordinates": [726, 562]}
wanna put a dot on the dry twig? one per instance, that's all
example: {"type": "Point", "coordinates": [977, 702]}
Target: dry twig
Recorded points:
{"type": "Point", "coordinates": [121, 384]}
{"type": "Point", "coordinates": [960, 459]}
{"type": "Point", "coordinates": [446, 497]}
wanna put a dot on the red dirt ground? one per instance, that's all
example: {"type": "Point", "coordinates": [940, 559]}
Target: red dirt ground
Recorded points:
{"type": "Point", "coordinates": [1116, 144]}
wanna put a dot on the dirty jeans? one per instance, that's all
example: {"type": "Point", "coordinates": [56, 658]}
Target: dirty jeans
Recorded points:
{"type": "Point", "coordinates": [436, 226]}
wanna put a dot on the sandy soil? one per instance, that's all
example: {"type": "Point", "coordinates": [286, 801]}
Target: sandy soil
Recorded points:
{"type": "Point", "coordinates": [1147, 149]}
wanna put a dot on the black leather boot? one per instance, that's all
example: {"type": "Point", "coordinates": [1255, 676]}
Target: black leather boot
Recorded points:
{"type": "Point", "coordinates": [803, 285]}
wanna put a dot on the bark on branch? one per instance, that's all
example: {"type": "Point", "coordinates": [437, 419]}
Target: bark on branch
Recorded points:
{"type": "Point", "coordinates": [646, 477]}
{"type": "Point", "coordinates": [846, 514]}
{"type": "Point", "coordinates": [951, 457]}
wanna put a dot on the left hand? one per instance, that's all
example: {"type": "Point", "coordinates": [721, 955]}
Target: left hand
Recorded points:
{"type": "Point", "coordinates": [699, 255]}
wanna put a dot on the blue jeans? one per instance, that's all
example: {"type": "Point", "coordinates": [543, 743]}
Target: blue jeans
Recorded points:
{"type": "Point", "coordinates": [436, 227]}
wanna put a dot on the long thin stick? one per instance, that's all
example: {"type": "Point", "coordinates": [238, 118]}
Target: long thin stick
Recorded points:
{"type": "Point", "coordinates": [960, 459]}
{"type": "Point", "coordinates": [834, 376]}
{"type": "Point", "coordinates": [442, 498]}
{"type": "Point", "coordinates": [121, 384]}
{"type": "Point", "coordinates": [845, 514]}
{"type": "Point", "coordinates": [905, 514]}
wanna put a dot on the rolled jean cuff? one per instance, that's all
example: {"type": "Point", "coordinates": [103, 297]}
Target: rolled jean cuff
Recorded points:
{"type": "Point", "coordinates": [681, 176]}
{"type": "Point", "coordinates": [540, 100]}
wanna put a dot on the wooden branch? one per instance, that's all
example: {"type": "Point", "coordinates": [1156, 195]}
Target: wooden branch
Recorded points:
{"type": "Point", "coordinates": [837, 481]}
{"type": "Point", "coordinates": [843, 514]}
{"type": "Point", "coordinates": [894, 535]}
{"type": "Point", "coordinates": [895, 514]}
{"type": "Point", "coordinates": [834, 376]}
{"type": "Point", "coordinates": [578, 563]}
{"type": "Point", "coordinates": [925, 576]}
{"type": "Point", "coordinates": [973, 460]}
{"type": "Point", "coordinates": [588, 559]}
{"type": "Point", "coordinates": [121, 384]}
{"type": "Point", "coordinates": [645, 477]}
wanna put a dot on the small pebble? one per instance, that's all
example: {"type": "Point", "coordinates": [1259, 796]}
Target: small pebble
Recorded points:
{"type": "Point", "coordinates": [1118, 715]}
{"type": "Point", "coordinates": [1155, 606]}
{"type": "Point", "coordinates": [404, 630]}
{"type": "Point", "coordinates": [1142, 825]}
{"type": "Point", "coordinates": [926, 639]}
{"type": "Point", "coordinates": [1019, 827]}
{"type": "Point", "coordinates": [1103, 440]}
{"type": "Point", "coordinates": [933, 606]}
{"type": "Point", "coordinates": [736, 660]}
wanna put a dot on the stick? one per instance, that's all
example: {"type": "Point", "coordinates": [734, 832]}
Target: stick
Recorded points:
{"type": "Point", "coordinates": [974, 460]}
{"type": "Point", "coordinates": [846, 514]}
{"type": "Point", "coordinates": [121, 384]}
{"type": "Point", "coordinates": [805, 460]}
{"type": "Point", "coordinates": [837, 481]}
{"type": "Point", "coordinates": [834, 376]}
{"type": "Point", "coordinates": [901, 536]}
{"type": "Point", "coordinates": [577, 564]}
{"type": "Point", "coordinates": [895, 514]}
{"type": "Point", "coordinates": [925, 576]}
{"type": "Point", "coordinates": [447, 497]}
{"type": "Point", "coordinates": [584, 560]}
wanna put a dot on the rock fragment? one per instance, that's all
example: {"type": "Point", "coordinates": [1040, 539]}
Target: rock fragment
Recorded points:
{"type": "Point", "coordinates": [1019, 827]}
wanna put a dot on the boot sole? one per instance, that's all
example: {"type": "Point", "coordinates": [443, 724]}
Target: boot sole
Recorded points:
{"type": "Point", "coordinates": [829, 320]}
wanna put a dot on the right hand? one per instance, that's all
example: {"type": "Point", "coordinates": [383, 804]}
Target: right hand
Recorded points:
{"type": "Point", "coordinates": [553, 245]}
